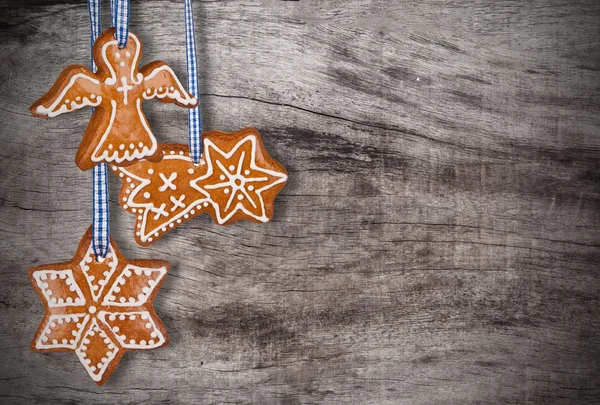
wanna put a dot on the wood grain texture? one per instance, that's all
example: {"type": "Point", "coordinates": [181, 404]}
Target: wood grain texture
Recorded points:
{"type": "Point", "coordinates": [438, 241]}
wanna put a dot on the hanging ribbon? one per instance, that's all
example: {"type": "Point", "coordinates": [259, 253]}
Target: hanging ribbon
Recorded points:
{"type": "Point", "coordinates": [94, 10]}
{"type": "Point", "coordinates": [100, 214]}
{"type": "Point", "coordinates": [120, 18]}
{"type": "Point", "coordinates": [194, 117]}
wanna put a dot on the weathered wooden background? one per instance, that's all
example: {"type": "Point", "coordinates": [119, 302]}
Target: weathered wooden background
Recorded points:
{"type": "Point", "coordinates": [438, 241]}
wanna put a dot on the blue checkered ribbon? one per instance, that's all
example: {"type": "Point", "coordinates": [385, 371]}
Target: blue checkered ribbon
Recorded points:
{"type": "Point", "coordinates": [100, 214]}
{"type": "Point", "coordinates": [119, 10]}
{"type": "Point", "coordinates": [194, 117]}
{"type": "Point", "coordinates": [94, 9]}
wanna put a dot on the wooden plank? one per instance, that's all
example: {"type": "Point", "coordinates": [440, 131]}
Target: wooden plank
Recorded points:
{"type": "Point", "coordinates": [437, 242]}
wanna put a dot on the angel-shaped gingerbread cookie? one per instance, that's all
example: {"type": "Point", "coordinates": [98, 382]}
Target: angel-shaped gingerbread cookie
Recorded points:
{"type": "Point", "coordinates": [118, 132]}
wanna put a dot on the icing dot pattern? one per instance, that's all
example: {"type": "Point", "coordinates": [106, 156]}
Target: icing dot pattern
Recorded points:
{"type": "Point", "coordinates": [235, 180]}
{"type": "Point", "coordinates": [133, 286]}
{"type": "Point", "coordinates": [96, 350]}
{"type": "Point", "coordinates": [98, 273]}
{"type": "Point", "coordinates": [133, 330]}
{"type": "Point", "coordinates": [62, 331]}
{"type": "Point", "coordinates": [159, 197]}
{"type": "Point", "coordinates": [59, 288]}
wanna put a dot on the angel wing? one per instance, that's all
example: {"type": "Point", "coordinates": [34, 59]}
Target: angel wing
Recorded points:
{"type": "Point", "coordinates": [161, 83]}
{"type": "Point", "coordinates": [75, 88]}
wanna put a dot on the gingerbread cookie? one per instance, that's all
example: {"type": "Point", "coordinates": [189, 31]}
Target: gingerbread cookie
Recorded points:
{"type": "Point", "coordinates": [99, 310]}
{"type": "Point", "coordinates": [118, 132]}
{"type": "Point", "coordinates": [236, 179]}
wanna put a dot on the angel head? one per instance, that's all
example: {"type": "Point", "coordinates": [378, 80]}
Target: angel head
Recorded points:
{"type": "Point", "coordinates": [118, 62]}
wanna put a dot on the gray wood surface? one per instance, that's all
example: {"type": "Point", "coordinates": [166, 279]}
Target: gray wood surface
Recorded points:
{"type": "Point", "coordinates": [438, 241]}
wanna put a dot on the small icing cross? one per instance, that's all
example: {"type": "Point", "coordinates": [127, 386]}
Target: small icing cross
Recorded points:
{"type": "Point", "coordinates": [99, 310]}
{"type": "Point", "coordinates": [177, 202]}
{"type": "Point", "coordinates": [160, 211]}
{"type": "Point", "coordinates": [168, 182]}
{"type": "Point", "coordinates": [124, 89]}
{"type": "Point", "coordinates": [118, 131]}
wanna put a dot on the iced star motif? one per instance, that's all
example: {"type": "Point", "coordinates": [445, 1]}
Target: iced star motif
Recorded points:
{"type": "Point", "coordinates": [118, 132]}
{"type": "Point", "coordinates": [99, 310]}
{"type": "Point", "coordinates": [235, 183]}
{"type": "Point", "coordinates": [235, 179]}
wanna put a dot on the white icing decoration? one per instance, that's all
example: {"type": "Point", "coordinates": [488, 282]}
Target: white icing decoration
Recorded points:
{"type": "Point", "coordinates": [168, 182]}
{"type": "Point", "coordinates": [145, 125]}
{"type": "Point", "coordinates": [160, 211]}
{"type": "Point", "coordinates": [127, 155]}
{"type": "Point", "coordinates": [125, 88]}
{"type": "Point", "coordinates": [126, 341]}
{"type": "Point", "coordinates": [44, 342]}
{"type": "Point", "coordinates": [234, 177]}
{"type": "Point", "coordinates": [52, 111]}
{"type": "Point", "coordinates": [177, 202]}
{"type": "Point", "coordinates": [178, 94]}
{"type": "Point", "coordinates": [112, 80]}
{"type": "Point", "coordinates": [94, 372]}
{"type": "Point", "coordinates": [67, 275]}
{"type": "Point", "coordinates": [112, 298]}
{"type": "Point", "coordinates": [113, 113]}
{"type": "Point", "coordinates": [148, 207]}
{"type": "Point", "coordinates": [97, 286]}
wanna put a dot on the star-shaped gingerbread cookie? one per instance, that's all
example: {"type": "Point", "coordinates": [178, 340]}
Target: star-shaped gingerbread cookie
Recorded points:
{"type": "Point", "coordinates": [236, 179]}
{"type": "Point", "coordinates": [99, 310]}
{"type": "Point", "coordinates": [118, 132]}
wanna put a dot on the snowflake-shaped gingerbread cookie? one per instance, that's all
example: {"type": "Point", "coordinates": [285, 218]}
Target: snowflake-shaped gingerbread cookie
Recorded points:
{"type": "Point", "coordinates": [99, 310]}
{"type": "Point", "coordinates": [236, 179]}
